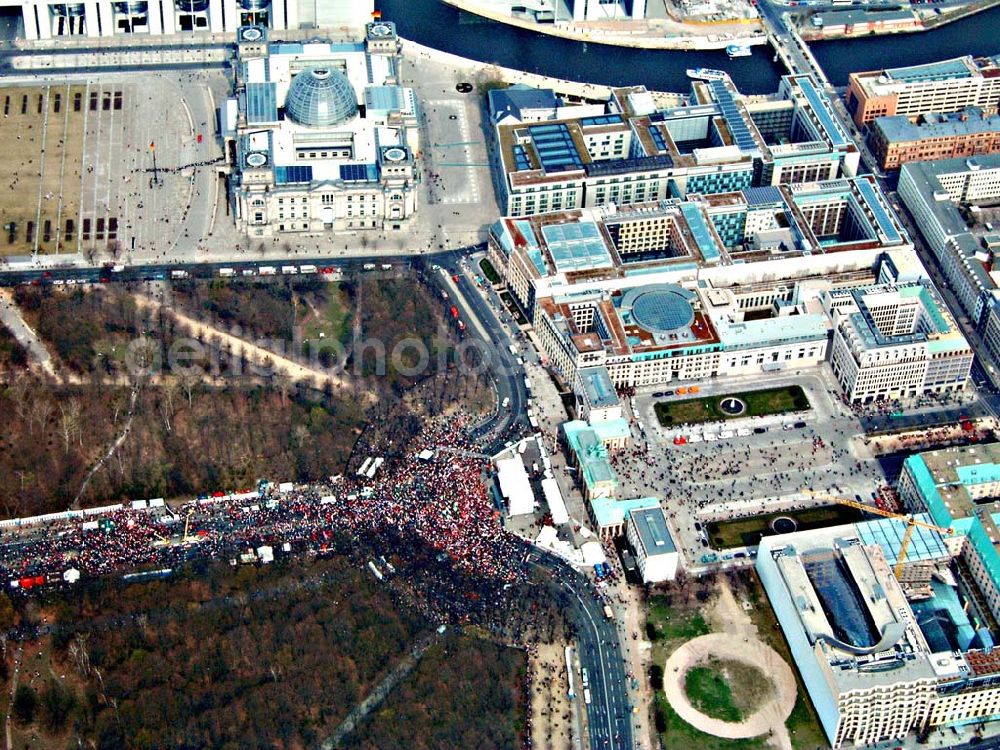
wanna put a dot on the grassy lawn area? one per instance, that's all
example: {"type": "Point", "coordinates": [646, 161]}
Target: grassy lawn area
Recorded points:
{"type": "Point", "coordinates": [707, 408]}
{"type": "Point", "coordinates": [331, 317]}
{"type": "Point", "coordinates": [671, 623]}
{"type": "Point", "coordinates": [726, 689]}
{"type": "Point", "coordinates": [671, 620]}
{"type": "Point", "coordinates": [668, 626]}
{"type": "Point", "coordinates": [710, 692]}
{"type": "Point", "coordinates": [677, 734]}
{"type": "Point", "coordinates": [744, 532]}
{"type": "Point", "coordinates": [489, 271]}
{"type": "Point", "coordinates": [45, 136]}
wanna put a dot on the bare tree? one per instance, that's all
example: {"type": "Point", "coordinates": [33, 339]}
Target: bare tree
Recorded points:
{"type": "Point", "coordinates": [282, 384]}
{"type": "Point", "coordinates": [188, 380]}
{"type": "Point", "coordinates": [167, 392]}
{"type": "Point", "coordinates": [69, 421]}
{"type": "Point", "coordinates": [41, 410]}
{"type": "Point", "coordinates": [79, 655]}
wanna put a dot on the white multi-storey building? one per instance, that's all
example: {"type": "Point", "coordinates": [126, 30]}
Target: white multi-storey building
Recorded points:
{"type": "Point", "coordinates": [933, 192]}
{"type": "Point", "coordinates": [945, 86]}
{"type": "Point", "coordinates": [322, 134]}
{"type": "Point", "coordinates": [634, 153]}
{"type": "Point", "coordinates": [96, 18]}
{"type": "Point", "coordinates": [655, 553]}
{"type": "Point", "coordinates": [895, 341]}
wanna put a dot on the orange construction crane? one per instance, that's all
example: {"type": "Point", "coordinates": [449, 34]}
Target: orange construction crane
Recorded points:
{"type": "Point", "coordinates": [911, 524]}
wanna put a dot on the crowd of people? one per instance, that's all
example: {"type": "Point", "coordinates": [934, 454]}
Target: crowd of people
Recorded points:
{"type": "Point", "coordinates": [438, 506]}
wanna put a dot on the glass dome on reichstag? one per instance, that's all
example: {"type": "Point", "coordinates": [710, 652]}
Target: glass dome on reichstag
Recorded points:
{"type": "Point", "coordinates": [320, 97]}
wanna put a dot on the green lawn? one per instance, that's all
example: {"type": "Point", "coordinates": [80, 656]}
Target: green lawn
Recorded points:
{"type": "Point", "coordinates": [672, 623]}
{"type": "Point", "coordinates": [726, 689]}
{"type": "Point", "coordinates": [489, 271]}
{"type": "Point", "coordinates": [677, 734]}
{"type": "Point", "coordinates": [333, 321]}
{"type": "Point", "coordinates": [743, 532]}
{"type": "Point", "coordinates": [675, 623]}
{"type": "Point", "coordinates": [707, 409]}
{"type": "Point", "coordinates": [709, 691]}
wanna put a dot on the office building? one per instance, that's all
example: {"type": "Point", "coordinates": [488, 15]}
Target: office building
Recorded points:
{"type": "Point", "coordinates": [854, 639]}
{"type": "Point", "coordinates": [650, 333]}
{"type": "Point", "coordinates": [103, 18]}
{"type": "Point", "coordinates": [634, 153]}
{"type": "Point", "coordinates": [597, 400]}
{"type": "Point", "coordinates": [897, 140]}
{"type": "Point", "coordinates": [322, 136]}
{"type": "Point", "coordinates": [936, 193]}
{"type": "Point", "coordinates": [655, 553]}
{"type": "Point", "coordinates": [895, 341]}
{"type": "Point", "coordinates": [946, 86]}
{"type": "Point", "coordinates": [714, 286]}
{"type": "Point", "coordinates": [545, 254]}
{"type": "Point", "coordinates": [958, 487]}
{"type": "Point", "coordinates": [881, 658]}
{"type": "Point", "coordinates": [933, 192]}
{"type": "Point", "coordinates": [858, 21]}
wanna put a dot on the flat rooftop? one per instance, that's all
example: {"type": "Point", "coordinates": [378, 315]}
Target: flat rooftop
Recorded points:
{"type": "Point", "coordinates": [959, 67]}
{"type": "Point", "coordinates": [959, 476]}
{"type": "Point", "coordinates": [842, 596]}
{"type": "Point", "coordinates": [653, 532]}
{"type": "Point", "coordinates": [597, 386]}
{"type": "Point", "coordinates": [971, 121]}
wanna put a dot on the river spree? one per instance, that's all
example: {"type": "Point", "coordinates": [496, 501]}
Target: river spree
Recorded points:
{"type": "Point", "coordinates": [437, 25]}
{"type": "Point", "coordinates": [442, 27]}
{"type": "Point", "coordinates": [975, 35]}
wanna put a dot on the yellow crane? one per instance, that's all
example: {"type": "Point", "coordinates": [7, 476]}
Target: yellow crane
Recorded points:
{"type": "Point", "coordinates": [911, 524]}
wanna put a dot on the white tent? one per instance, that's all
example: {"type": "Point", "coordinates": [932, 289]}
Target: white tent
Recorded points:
{"type": "Point", "coordinates": [557, 506]}
{"type": "Point", "coordinates": [515, 487]}
{"type": "Point", "coordinates": [593, 553]}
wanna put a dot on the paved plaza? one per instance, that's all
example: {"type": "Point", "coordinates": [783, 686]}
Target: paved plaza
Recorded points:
{"type": "Point", "coordinates": [81, 166]}
{"type": "Point", "coordinates": [747, 474]}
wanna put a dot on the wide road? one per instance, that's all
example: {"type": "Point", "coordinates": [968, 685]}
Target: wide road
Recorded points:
{"type": "Point", "coordinates": [609, 716]}
{"type": "Point", "coordinates": [482, 323]}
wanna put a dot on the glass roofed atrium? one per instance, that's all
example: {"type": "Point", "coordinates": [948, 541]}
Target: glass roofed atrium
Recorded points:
{"type": "Point", "coordinates": [321, 97]}
{"type": "Point", "coordinates": [840, 598]}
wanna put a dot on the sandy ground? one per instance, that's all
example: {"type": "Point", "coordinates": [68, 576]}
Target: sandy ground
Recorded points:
{"type": "Point", "coordinates": [43, 128]}
{"type": "Point", "coordinates": [550, 706]}
{"type": "Point", "coordinates": [738, 641]}
{"type": "Point", "coordinates": [253, 353]}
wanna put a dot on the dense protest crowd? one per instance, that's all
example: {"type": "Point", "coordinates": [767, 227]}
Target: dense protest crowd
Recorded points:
{"type": "Point", "coordinates": [439, 505]}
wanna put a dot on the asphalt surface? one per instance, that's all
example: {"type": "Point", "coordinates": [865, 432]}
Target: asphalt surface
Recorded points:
{"type": "Point", "coordinates": [608, 713]}
{"type": "Point", "coordinates": [505, 424]}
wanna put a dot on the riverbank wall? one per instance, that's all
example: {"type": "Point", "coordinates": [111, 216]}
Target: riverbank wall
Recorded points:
{"type": "Point", "coordinates": [925, 20]}
{"type": "Point", "coordinates": [644, 36]}
{"type": "Point", "coordinates": [480, 72]}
